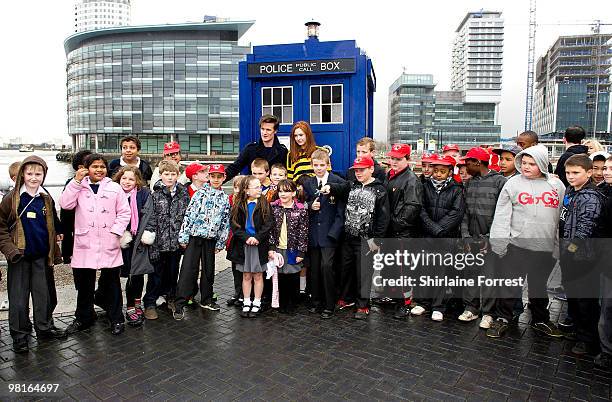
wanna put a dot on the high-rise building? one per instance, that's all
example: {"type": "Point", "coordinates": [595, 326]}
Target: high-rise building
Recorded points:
{"type": "Point", "coordinates": [411, 107]}
{"type": "Point", "coordinates": [572, 82]}
{"type": "Point", "coordinates": [477, 57]}
{"type": "Point", "coordinates": [158, 83]}
{"type": "Point", "coordinates": [97, 14]}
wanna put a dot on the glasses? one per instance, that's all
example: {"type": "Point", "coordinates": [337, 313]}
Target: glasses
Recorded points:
{"type": "Point", "coordinates": [173, 154]}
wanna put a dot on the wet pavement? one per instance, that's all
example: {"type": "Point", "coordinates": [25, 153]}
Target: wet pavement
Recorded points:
{"type": "Point", "coordinates": [221, 356]}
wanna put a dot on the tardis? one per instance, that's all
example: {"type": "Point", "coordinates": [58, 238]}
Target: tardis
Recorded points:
{"type": "Point", "coordinates": [330, 85]}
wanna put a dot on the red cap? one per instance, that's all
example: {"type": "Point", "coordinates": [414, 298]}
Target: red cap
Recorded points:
{"type": "Point", "coordinates": [451, 147]}
{"type": "Point", "coordinates": [216, 168]}
{"type": "Point", "coordinates": [363, 162]}
{"type": "Point", "coordinates": [461, 161]}
{"type": "Point", "coordinates": [399, 151]}
{"type": "Point", "coordinates": [430, 158]}
{"type": "Point", "coordinates": [194, 168]}
{"type": "Point", "coordinates": [478, 154]}
{"type": "Point", "coordinates": [445, 160]}
{"type": "Point", "coordinates": [171, 147]}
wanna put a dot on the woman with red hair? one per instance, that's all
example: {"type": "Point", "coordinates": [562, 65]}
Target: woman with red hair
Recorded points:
{"type": "Point", "coordinates": [302, 145]}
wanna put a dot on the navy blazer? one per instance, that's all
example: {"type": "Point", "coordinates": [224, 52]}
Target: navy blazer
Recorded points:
{"type": "Point", "coordinates": [327, 224]}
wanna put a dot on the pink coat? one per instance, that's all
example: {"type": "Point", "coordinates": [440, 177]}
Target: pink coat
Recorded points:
{"type": "Point", "coordinates": [100, 220]}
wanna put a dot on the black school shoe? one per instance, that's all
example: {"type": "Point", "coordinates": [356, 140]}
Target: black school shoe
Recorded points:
{"type": "Point", "coordinates": [497, 329]}
{"type": "Point", "coordinates": [402, 312]}
{"type": "Point", "coordinates": [582, 348]}
{"type": "Point", "coordinates": [20, 345]}
{"type": "Point", "coordinates": [603, 361]}
{"type": "Point", "coordinates": [254, 312]}
{"type": "Point", "coordinates": [52, 333]}
{"type": "Point", "coordinates": [76, 326]}
{"type": "Point", "coordinates": [117, 328]}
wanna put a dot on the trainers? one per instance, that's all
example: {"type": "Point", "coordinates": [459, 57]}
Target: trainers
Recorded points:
{"type": "Point", "coordinates": [361, 314]}
{"type": "Point", "coordinates": [211, 306]}
{"type": "Point", "coordinates": [467, 316]}
{"type": "Point", "coordinates": [417, 310]}
{"type": "Point", "coordinates": [486, 321]}
{"type": "Point", "coordinates": [402, 312]}
{"type": "Point", "coordinates": [150, 313]}
{"type": "Point", "coordinates": [566, 323]}
{"type": "Point", "coordinates": [341, 305]}
{"type": "Point", "coordinates": [437, 316]}
{"type": "Point", "coordinates": [497, 329]}
{"type": "Point", "coordinates": [547, 328]}
{"type": "Point", "coordinates": [232, 301]}
{"type": "Point", "coordinates": [138, 307]}
{"type": "Point", "coordinates": [603, 361]}
{"type": "Point", "coordinates": [132, 317]}
{"type": "Point", "coordinates": [160, 301]}
{"type": "Point", "coordinates": [178, 314]}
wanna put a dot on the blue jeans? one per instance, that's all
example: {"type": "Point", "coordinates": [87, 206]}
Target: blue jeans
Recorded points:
{"type": "Point", "coordinates": [163, 280]}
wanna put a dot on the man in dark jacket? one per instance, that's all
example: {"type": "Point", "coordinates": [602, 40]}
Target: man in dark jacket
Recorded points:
{"type": "Point", "coordinates": [268, 148]}
{"type": "Point", "coordinates": [405, 199]}
{"type": "Point", "coordinates": [572, 139]}
{"type": "Point", "coordinates": [481, 193]}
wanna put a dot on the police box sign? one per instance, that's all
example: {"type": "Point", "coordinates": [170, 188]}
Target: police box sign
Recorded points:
{"type": "Point", "coordinates": [301, 67]}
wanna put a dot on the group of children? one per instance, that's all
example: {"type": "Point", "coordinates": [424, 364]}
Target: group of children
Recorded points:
{"type": "Point", "coordinates": [522, 219]}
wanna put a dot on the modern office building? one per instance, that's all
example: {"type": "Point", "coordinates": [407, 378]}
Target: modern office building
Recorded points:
{"type": "Point", "coordinates": [157, 82]}
{"type": "Point", "coordinates": [411, 108]}
{"type": "Point", "coordinates": [477, 57]}
{"type": "Point", "coordinates": [573, 84]}
{"type": "Point", "coordinates": [97, 14]}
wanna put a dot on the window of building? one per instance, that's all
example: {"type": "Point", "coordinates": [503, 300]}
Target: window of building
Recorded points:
{"type": "Point", "coordinates": [279, 102]}
{"type": "Point", "coordinates": [326, 104]}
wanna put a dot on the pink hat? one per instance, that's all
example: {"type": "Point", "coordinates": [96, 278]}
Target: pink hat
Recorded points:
{"type": "Point", "coordinates": [399, 151]}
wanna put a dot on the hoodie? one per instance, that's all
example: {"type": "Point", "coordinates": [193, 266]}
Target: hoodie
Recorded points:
{"type": "Point", "coordinates": [573, 150]}
{"type": "Point", "coordinates": [481, 193]}
{"type": "Point", "coordinates": [527, 211]}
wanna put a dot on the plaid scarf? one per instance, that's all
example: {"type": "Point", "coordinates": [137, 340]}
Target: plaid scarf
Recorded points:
{"type": "Point", "coordinates": [439, 184]}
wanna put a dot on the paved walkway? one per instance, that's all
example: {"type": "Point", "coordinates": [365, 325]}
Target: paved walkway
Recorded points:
{"type": "Point", "coordinates": [220, 356]}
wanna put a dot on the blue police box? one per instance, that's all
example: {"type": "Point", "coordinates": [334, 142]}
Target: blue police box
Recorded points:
{"type": "Point", "coordinates": [328, 84]}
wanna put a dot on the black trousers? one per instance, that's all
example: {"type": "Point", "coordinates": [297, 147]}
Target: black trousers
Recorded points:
{"type": "Point", "coordinates": [357, 270]}
{"type": "Point", "coordinates": [28, 276]}
{"type": "Point", "coordinates": [133, 289]}
{"type": "Point", "coordinates": [111, 299]}
{"type": "Point", "coordinates": [521, 263]}
{"type": "Point", "coordinates": [581, 281]}
{"type": "Point", "coordinates": [476, 298]}
{"type": "Point", "coordinates": [321, 272]}
{"type": "Point", "coordinates": [288, 290]}
{"type": "Point", "coordinates": [605, 319]}
{"type": "Point", "coordinates": [237, 281]}
{"type": "Point", "coordinates": [199, 251]}
{"type": "Point", "coordinates": [170, 263]}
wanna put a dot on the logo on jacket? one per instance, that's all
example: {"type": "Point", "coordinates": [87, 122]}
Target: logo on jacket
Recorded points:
{"type": "Point", "coordinates": [549, 199]}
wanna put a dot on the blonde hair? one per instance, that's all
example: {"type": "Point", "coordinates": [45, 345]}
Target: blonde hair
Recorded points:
{"type": "Point", "coordinates": [14, 169]}
{"type": "Point", "coordinates": [168, 166]}
{"type": "Point", "coordinates": [320, 155]}
{"type": "Point", "coordinates": [260, 163]}
{"type": "Point", "coordinates": [598, 147]}
{"type": "Point", "coordinates": [367, 141]}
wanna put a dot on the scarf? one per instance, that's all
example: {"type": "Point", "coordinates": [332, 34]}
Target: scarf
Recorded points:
{"type": "Point", "coordinates": [439, 184]}
{"type": "Point", "coordinates": [134, 211]}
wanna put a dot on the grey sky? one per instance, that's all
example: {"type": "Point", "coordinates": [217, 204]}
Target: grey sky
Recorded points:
{"type": "Point", "coordinates": [416, 35]}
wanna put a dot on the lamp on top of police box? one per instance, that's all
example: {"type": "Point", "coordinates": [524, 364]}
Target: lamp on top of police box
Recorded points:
{"type": "Point", "coordinates": [312, 29]}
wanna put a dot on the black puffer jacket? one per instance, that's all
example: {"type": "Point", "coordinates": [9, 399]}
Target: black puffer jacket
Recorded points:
{"type": "Point", "coordinates": [275, 154]}
{"type": "Point", "coordinates": [442, 212]}
{"type": "Point", "coordinates": [405, 200]}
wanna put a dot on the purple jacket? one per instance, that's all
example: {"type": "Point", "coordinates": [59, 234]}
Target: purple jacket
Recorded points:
{"type": "Point", "coordinates": [100, 220]}
{"type": "Point", "coordinates": [297, 226]}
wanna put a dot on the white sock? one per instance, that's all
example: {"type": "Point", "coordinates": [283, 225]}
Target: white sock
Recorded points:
{"type": "Point", "coordinates": [257, 302]}
{"type": "Point", "coordinates": [302, 283]}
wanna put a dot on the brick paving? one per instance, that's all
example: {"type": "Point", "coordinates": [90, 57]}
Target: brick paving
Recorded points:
{"type": "Point", "coordinates": [221, 356]}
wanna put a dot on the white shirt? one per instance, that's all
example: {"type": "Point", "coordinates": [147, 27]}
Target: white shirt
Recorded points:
{"type": "Point", "coordinates": [322, 180]}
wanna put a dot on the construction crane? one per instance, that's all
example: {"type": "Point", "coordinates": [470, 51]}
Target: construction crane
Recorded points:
{"type": "Point", "coordinates": [595, 28]}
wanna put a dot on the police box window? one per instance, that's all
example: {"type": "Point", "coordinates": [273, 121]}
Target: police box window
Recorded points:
{"type": "Point", "coordinates": [326, 104]}
{"type": "Point", "coordinates": [279, 102]}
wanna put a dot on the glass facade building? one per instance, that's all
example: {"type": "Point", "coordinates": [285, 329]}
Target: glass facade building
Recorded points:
{"type": "Point", "coordinates": [159, 83]}
{"type": "Point", "coordinates": [571, 78]}
{"type": "Point", "coordinates": [411, 108]}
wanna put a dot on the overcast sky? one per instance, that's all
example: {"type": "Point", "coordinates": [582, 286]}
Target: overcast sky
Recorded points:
{"type": "Point", "coordinates": [416, 35]}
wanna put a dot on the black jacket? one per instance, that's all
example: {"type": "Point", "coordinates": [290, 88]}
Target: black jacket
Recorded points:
{"type": "Point", "coordinates": [327, 224]}
{"type": "Point", "coordinates": [144, 167]}
{"type": "Point", "coordinates": [405, 200]}
{"type": "Point", "coordinates": [442, 212]}
{"type": "Point", "coordinates": [277, 154]}
{"type": "Point", "coordinates": [573, 150]}
{"type": "Point", "coordinates": [379, 174]}
{"type": "Point", "coordinates": [240, 236]}
{"type": "Point", "coordinates": [367, 208]}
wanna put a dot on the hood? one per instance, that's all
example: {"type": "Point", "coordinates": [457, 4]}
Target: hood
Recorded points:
{"type": "Point", "coordinates": [577, 149]}
{"type": "Point", "coordinates": [539, 153]}
{"type": "Point", "coordinates": [30, 159]}
{"type": "Point", "coordinates": [602, 153]}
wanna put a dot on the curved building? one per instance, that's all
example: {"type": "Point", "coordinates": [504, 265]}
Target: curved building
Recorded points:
{"type": "Point", "coordinates": [159, 83]}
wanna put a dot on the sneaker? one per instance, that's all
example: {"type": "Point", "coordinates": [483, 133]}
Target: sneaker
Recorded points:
{"type": "Point", "coordinates": [4, 306]}
{"type": "Point", "coordinates": [150, 313]}
{"type": "Point", "coordinates": [76, 326]}
{"type": "Point", "coordinates": [361, 314]}
{"type": "Point", "coordinates": [547, 328]}
{"type": "Point", "coordinates": [161, 300]}
{"type": "Point", "coordinates": [117, 328]}
{"type": "Point", "coordinates": [138, 307]}
{"type": "Point", "coordinates": [486, 321]}
{"type": "Point", "coordinates": [467, 316]}
{"type": "Point", "coordinates": [566, 323]}
{"type": "Point", "coordinates": [437, 316]}
{"type": "Point", "coordinates": [603, 361]}
{"type": "Point", "coordinates": [497, 329]}
{"type": "Point", "coordinates": [417, 310]}
{"type": "Point", "coordinates": [20, 345]}
{"type": "Point", "coordinates": [178, 314]}
{"type": "Point", "coordinates": [402, 312]}
{"type": "Point", "coordinates": [341, 305]}
{"type": "Point", "coordinates": [132, 317]}
{"type": "Point", "coordinates": [232, 301]}
{"type": "Point", "coordinates": [246, 309]}
{"type": "Point", "coordinates": [211, 306]}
